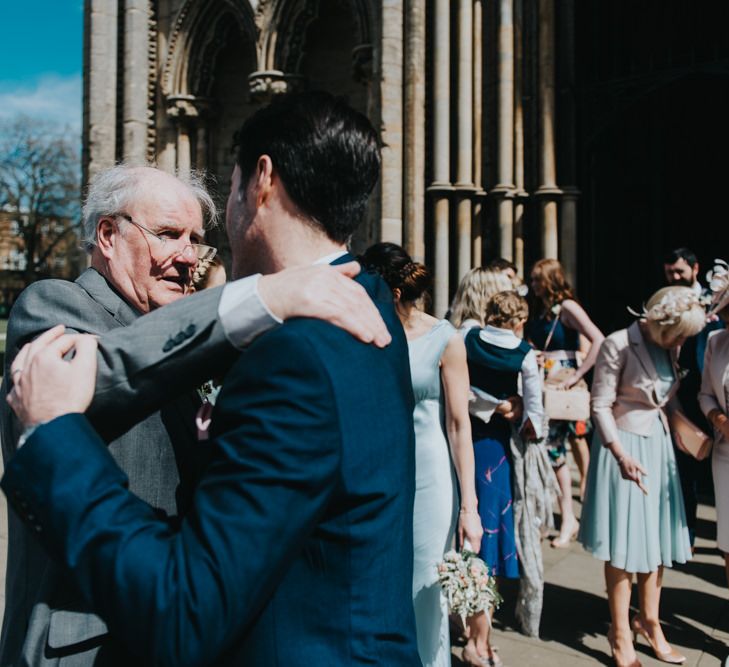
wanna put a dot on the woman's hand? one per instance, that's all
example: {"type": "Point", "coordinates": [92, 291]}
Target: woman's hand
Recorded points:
{"type": "Point", "coordinates": [720, 422]}
{"type": "Point", "coordinates": [528, 433]}
{"type": "Point", "coordinates": [632, 471]}
{"type": "Point", "coordinates": [570, 382]}
{"type": "Point", "coordinates": [722, 425]}
{"type": "Point", "coordinates": [470, 528]}
{"type": "Point", "coordinates": [511, 409]}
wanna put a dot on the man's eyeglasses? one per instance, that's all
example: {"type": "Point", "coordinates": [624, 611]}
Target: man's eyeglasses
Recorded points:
{"type": "Point", "coordinates": [177, 247]}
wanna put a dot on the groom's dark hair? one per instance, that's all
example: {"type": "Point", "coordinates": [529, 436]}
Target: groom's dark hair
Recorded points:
{"type": "Point", "coordinates": [326, 154]}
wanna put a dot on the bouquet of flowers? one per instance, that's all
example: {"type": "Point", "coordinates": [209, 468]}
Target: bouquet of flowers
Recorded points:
{"type": "Point", "coordinates": [467, 584]}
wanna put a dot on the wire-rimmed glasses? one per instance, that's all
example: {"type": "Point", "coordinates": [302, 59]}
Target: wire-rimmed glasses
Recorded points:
{"type": "Point", "coordinates": [177, 247]}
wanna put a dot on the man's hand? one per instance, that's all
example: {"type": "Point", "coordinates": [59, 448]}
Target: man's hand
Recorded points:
{"type": "Point", "coordinates": [45, 385]}
{"type": "Point", "coordinates": [327, 293]}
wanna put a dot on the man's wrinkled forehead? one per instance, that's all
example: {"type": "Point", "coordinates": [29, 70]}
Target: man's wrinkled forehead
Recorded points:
{"type": "Point", "coordinates": [169, 204]}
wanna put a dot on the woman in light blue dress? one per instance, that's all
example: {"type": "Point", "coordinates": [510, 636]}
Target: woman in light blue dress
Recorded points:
{"type": "Point", "coordinates": [634, 517]}
{"type": "Point", "coordinates": [444, 475]}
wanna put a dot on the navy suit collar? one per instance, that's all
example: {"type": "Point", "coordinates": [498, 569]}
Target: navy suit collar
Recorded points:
{"type": "Point", "coordinates": [346, 257]}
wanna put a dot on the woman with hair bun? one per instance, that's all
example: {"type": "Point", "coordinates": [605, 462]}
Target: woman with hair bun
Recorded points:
{"type": "Point", "coordinates": [440, 385]}
{"type": "Point", "coordinates": [634, 518]}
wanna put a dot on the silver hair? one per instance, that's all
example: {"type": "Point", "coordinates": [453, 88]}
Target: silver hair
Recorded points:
{"type": "Point", "coordinates": [114, 189]}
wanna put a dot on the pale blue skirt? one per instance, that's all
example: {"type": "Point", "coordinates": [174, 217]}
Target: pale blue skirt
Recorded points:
{"type": "Point", "coordinates": [633, 531]}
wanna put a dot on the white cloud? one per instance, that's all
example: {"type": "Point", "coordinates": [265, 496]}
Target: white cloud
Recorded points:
{"type": "Point", "coordinates": [52, 97]}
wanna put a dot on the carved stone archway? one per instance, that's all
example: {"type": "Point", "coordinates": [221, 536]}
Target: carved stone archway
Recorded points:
{"type": "Point", "coordinates": [201, 30]}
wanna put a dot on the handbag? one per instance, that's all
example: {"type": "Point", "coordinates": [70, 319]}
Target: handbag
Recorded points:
{"type": "Point", "coordinates": [571, 404]}
{"type": "Point", "coordinates": [688, 437]}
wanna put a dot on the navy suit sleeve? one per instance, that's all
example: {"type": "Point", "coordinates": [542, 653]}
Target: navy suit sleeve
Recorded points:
{"type": "Point", "coordinates": [180, 596]}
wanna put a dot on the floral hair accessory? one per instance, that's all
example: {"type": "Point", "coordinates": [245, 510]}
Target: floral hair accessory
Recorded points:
{"type": "Point", "coordinates": [669, 309]}
{"type": "Point", "coordinates": [718, 279]}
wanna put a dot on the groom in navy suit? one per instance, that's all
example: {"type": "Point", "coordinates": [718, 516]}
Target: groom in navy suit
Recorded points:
{"type": "Point", "coordinates": [298, 547]}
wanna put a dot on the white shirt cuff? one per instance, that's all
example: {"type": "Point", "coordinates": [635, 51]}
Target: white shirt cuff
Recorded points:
{"type": "Point", "coordinates": [243, 313]}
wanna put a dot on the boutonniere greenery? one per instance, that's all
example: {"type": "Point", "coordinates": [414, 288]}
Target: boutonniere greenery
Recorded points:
{"type": "Point", "coordinates": [209, 392]}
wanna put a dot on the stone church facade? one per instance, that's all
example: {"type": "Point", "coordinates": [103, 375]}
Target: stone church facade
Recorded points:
{"type": "Point", "coordinates": [494, 115]}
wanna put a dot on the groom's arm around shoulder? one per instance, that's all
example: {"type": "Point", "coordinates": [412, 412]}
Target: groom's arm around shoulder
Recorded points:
{"type": "Point", "coordinates": [182, 596]}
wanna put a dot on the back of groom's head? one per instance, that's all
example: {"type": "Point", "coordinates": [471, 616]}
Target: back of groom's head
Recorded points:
{"type": "Point", "coordinates": [325, 153]}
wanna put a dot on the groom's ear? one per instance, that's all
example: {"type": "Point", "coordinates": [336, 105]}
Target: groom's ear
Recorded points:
{"type": "Point", "coordinates": [264, 180]}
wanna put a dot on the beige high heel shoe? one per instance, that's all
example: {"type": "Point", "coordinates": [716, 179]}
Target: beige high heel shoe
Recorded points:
{"type": "Point", "coordinates": [672, 657]}
{"type": "Point", "coordinates": [611, 643]}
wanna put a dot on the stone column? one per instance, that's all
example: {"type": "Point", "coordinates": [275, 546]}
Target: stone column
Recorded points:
{"type": "Point", "coordinates": [464, 163]}
{"type": "Point", "coordinates": [100, 75]}
{"type": "Point", "coordinates": [521, 195]}
{"type": "Point", "coordinates": [391, 91]}
{"type": "Point", "coordinates": [568, 233]}
{"type": "Point", "coordinates": [414, 131]}
{"type": "Point", "coordinates": [201, 145]}
{"type": "Point", "coordinates": [184, 158]}
{"type": "Point", "coordinates": [189, 115]}
{"type": "Point", "coordinates": [441, 186]}
{"type": "Point", "coordinates": [136, 71]}
{"type": "Point", "coordinates": [567, 141]}
{"type": "Point", "coordinates": [480, 194]}
{"type": "Point", "coordinates": [503, 191]}
{"type": "Point", "coordinates": [548, 192]}
{"type": "Point", "coordinates": [167, 148]}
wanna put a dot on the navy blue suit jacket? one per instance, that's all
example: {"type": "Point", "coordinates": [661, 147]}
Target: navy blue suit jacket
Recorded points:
{"type": "Point", "coordinates": [298, 547]}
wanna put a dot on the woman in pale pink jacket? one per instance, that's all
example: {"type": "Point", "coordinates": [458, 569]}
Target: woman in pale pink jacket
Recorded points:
{"type": "Point", "coordinates": [634, 518]}
{"type": "Point", "coordinates": [714, 402]}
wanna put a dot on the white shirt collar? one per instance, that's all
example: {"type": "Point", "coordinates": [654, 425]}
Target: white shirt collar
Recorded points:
{"type": "Point", "coordinates": [502, 337]}
{"type": "Point", "coordinates": [328, 259]}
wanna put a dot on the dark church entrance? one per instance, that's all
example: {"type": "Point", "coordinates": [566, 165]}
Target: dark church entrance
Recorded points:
{"type": "Point", "coordinates": [653, 141]}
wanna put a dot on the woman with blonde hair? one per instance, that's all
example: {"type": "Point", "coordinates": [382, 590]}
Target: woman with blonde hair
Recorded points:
{"type": "Point", "coordinates": [634, 517]}
{"type": "Point", "coordinates": [473, 293]}
{"type": "Point", "coordinates": [443, 446]}
{"type": "Point", "coordinates": [556, 322]}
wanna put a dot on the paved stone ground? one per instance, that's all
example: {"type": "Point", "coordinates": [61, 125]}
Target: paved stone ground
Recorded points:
{"type": "Point", "coordinates": [694, 610]}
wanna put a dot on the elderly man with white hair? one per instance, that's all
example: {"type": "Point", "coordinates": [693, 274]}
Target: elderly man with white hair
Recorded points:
{"type": "Point", "coordinates": [145, 233]}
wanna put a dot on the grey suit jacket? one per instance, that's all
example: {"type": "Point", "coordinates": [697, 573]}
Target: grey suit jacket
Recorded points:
{"type": "Point", "coordinates": [46, 622]}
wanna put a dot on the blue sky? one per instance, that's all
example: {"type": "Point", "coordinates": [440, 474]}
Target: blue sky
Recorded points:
{"type": "Point", "coordinates": [41, 59]}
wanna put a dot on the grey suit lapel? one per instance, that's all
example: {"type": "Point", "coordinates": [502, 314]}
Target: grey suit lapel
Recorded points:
{"type": "Point", "coordinates": [105, 295]}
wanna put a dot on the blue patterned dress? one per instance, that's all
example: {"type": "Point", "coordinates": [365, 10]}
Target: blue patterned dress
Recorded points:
{"type": "Point", "coordinates": [495, 370]}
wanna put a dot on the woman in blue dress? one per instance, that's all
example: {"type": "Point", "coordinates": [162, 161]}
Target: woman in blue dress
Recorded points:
{"type": "Point", "coordinates": [497, 358]}
{"type": "Point", "coordinates": [444, 473]}
{"type": "Point", "coordinates": [555, 324]}
{"type": "Point", "coordinates": [634, 518]}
